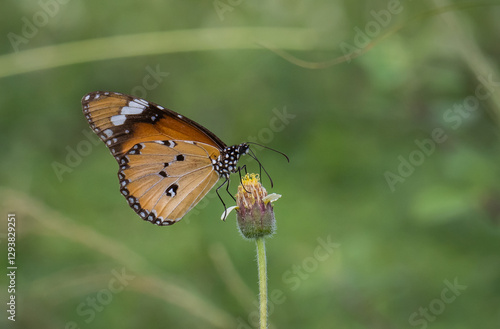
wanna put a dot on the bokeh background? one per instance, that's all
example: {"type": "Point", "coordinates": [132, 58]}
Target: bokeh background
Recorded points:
{"type": "Point", "coordinates": [374, 231]}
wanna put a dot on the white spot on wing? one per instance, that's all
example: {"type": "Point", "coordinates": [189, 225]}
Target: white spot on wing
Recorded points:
{"type": "Point", "coordinates": [118, 120]}
{"type": "Point", "coordinates": [108, 132]}
{"type": "Point", "coordinates": [87, 97]}
{"type": "Point", "coordinates": [141, 101]}
{"type": "Point", "coordinates": [179, 116]}
{"type": "Point", "coordinates": [126, 110]}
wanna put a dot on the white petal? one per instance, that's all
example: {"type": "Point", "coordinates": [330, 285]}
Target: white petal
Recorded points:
{"type": "Point", "coordinates": [228, 210]}
{"type": "Point", "coordinates": [271, 198]}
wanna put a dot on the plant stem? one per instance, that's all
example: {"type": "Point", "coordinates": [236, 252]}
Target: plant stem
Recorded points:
{"type": "Point", "coordinates": [261, 262]}
{"type": "Point", "coordinates": [173, 41]}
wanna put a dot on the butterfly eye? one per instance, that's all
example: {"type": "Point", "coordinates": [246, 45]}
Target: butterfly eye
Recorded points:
{"type": "Point", "coordinates": [243, 149]}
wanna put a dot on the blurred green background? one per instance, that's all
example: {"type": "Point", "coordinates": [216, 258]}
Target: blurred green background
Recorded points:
{"type": "Point", "coordinates": [379, 226]}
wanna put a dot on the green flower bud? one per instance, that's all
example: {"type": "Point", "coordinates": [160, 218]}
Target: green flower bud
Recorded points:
{"type": "Point", "coordinates": [254, 210]}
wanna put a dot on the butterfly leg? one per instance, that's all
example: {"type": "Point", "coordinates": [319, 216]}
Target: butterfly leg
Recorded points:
{"type": "Point", "coordinates": [241, 179]}
{"type": "Point", "coordinates": [220, 198]}
{"type": "Point", "coordinates": [227, 190]}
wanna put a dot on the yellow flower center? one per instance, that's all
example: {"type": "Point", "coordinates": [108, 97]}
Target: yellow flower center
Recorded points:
{"type": "Point", "coordinates": [250, 179]}
{"type": "Point", "coordinates": [250, 191]}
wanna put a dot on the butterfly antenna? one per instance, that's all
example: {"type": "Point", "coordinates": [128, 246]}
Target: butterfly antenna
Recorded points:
{"type": "Point", "coordinates": [283, 154]}
{"type": "Point", "coordinates": [261, 166]}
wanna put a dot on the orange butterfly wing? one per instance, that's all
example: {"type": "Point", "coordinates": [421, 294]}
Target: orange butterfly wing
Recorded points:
{"type": "Point", "coordinates": [166, 160]}
{"type": "Point", "coordinates": [163, 180]}
{"type": "Point", "coordinates": [122, 121]}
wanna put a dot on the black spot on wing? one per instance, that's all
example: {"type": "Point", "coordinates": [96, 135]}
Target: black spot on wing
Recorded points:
{"type": "Point", "coordinates": [171, 191]}
{"type": "Point", "coordinates": [136, 149]}
{"type": "Point", "coordinates": [167, 143]}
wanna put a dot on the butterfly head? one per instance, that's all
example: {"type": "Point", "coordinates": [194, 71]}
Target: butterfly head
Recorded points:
{"type": "Point", "coordinates": [227, 162]}
{"type": "Point", "coordinates": [243, 149]}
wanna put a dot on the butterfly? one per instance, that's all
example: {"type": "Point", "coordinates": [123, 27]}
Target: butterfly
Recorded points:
{"type": "Point", "coordinates": [168, 162]}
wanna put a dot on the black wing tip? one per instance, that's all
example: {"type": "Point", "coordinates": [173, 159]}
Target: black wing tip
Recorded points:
{"type": "Point", "coordinates": [87, 98]}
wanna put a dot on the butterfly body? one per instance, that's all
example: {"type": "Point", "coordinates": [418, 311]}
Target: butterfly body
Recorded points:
{"type": "Point", "coordinates": [168, 162]}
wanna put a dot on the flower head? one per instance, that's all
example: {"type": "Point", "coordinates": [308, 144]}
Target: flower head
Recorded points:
{"type": "Point", "coordinates": [254, 210]}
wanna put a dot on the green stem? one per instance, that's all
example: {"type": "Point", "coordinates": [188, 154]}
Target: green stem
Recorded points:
{"type": "Point", "coordinates": [154, 43]}
{"type": "Point", "coordinates": [261, 262]}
